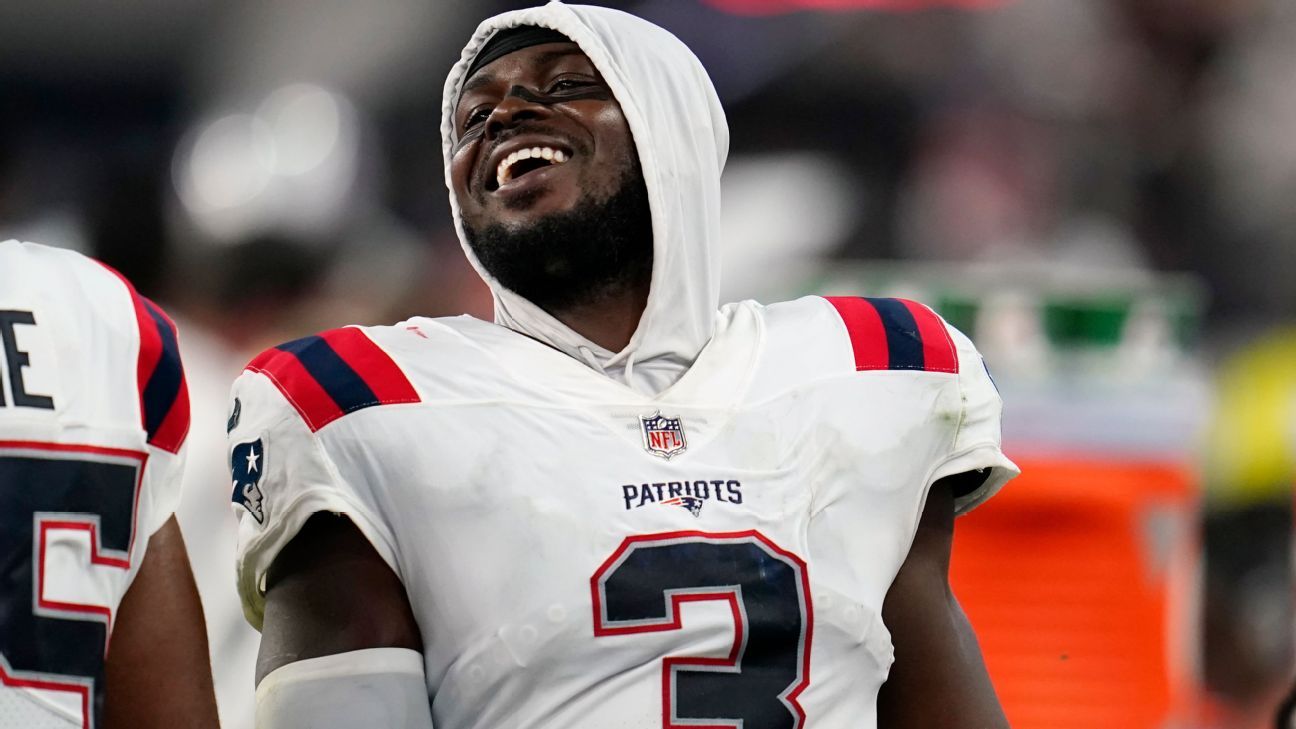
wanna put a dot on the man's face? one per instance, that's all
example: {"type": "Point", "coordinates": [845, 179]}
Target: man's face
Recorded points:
{"type": "Point", "coordinates": [546, 98]}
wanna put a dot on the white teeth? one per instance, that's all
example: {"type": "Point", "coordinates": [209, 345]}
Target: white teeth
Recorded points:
{"type": "Point", "coordinates": [504, 172]}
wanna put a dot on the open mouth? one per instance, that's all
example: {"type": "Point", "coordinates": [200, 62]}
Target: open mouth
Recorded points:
{"type": "Point", "coordinates": [525, 161]}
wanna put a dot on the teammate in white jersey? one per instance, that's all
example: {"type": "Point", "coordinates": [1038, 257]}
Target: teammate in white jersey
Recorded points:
{"type": "Point", "coordinates": [100, 624]}
{"type": "Point", "coordinates": [620, 504]}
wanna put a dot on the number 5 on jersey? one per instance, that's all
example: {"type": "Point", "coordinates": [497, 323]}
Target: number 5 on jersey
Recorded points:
{"type": "Point", "coordinates": [640, 589]}
{"type": "Point", "coordinates": [67, 529]}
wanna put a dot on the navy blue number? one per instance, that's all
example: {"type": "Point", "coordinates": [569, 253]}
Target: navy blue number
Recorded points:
{"type": "Point", "coordinates": [45, 643]}
{"type": "Point", "coordinates": [640, 588]}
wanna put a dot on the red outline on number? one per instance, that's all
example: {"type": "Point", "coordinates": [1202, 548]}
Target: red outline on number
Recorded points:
{"type": "Point", "coordinates": [674, 621]}
{"type": "Point", "coordinates": [8, 680]}
{"type": "Point", "coordinates": [95, 558]}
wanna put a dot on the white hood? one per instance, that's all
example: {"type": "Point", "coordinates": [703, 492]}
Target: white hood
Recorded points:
{"type": "Point", "coordinates": [680, 131]}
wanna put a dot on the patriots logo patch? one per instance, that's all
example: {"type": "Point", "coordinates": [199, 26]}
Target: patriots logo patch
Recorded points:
{"type": "Point", "coordinates": [247, 463]}
{"type": "Point", "coordinates": [692, 503]}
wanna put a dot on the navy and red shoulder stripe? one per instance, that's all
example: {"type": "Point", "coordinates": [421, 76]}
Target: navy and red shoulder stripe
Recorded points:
{"type": "Point", "coordinates": [328, 375]}
{"type": "Point", "coordinates": [163, 391]}
{"type": "Point", "coordinates": [896, 334]}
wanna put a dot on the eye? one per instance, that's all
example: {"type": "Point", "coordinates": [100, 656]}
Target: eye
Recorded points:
{"type": "Point", "coordinates": [568, 84]}
{"type": "Point", "coordinates": [476, 116]}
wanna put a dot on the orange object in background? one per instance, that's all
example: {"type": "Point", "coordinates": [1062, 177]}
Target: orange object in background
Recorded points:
{"type": "Point", "coordinates": [1080, 579]}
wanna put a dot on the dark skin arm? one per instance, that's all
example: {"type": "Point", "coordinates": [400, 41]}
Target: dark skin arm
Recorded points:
{"type": "Point", "coordinates": [1286, 717]}
{"type": "Point", "coordinates": [939, 680]}
{"type": "Point", "coordinates": [330, 592]}
{"type": "Point", "coordinates": [158, 671]}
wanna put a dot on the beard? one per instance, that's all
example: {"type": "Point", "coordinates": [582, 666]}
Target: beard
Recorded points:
{"type": "Point", "coordinates": [598, 250]}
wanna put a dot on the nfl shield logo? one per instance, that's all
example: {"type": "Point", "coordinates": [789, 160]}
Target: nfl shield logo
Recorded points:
{"type": "Point", "coordinates": [662, 436]}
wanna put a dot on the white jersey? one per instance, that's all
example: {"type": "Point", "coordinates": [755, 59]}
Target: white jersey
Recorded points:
{"type": "Point", "coordinates": [93, 417]}
{"type": "Point", "coordinates": [578, 554]}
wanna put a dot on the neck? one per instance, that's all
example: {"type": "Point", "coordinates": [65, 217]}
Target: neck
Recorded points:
{"type": "Point", "coordinates": [609, 320]}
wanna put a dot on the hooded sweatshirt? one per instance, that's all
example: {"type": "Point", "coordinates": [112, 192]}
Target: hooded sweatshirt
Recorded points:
{"type": "Point", "coordinates": [682, 139]}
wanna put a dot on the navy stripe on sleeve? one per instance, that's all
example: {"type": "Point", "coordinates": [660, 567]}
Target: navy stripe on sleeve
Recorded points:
{"type": "Point", "coordinates": [163, 386]}
{"type": "Point", "coordinates": [342, 384]}
{"type": "Point", "coordinates": [904, 343]}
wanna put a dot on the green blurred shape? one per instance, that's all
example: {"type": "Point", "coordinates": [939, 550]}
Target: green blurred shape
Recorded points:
{"type": "Point", "coordinates": [1072, 322]}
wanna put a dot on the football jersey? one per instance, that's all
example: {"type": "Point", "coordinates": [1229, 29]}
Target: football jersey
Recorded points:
{"type": "Point", "coordinates": [578, 554]}
{"type": "Point", "coordinates": [93, 417]}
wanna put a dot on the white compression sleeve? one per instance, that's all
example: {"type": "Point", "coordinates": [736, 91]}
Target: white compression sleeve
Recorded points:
{"type": "Point", "coordinates": [378, 688]}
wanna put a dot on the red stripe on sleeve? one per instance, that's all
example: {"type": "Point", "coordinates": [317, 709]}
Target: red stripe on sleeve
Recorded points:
{"type": "Point", "coordinates": [305, 394]}
{"type": "Point", "coordinates": [150, 349]}
{"type": "Point", "coordinates": [867, 336]}
{"type": "Point", "coordinates": [372, 364]}
{"type": "Point", "coordinates": [939, 354]}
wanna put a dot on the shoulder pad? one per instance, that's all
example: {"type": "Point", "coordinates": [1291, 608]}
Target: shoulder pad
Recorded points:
{"type": "Point", "coordinates": [328, 375]}
{"type": "Point", "coordinates": [896, 334]}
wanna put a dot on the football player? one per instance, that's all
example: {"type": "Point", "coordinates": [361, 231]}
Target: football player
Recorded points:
{"type": "Point", "coordinates": [619, 504]}
{"type": "Point", "coordinates": [100, 624]}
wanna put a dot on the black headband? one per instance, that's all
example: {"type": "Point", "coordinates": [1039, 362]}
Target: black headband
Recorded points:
{"type": "Point", "coordinates": [513, 39]}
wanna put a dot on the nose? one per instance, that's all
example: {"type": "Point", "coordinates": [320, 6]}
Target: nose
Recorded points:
{"type": "Point", "coordinates": [517, 106]}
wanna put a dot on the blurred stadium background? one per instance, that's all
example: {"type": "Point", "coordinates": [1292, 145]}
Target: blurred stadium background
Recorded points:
{"type": "Point", "coordinates": [1101, 192]}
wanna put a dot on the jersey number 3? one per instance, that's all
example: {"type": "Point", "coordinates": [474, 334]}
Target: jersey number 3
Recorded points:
{"type": "Point", "coordinates": [66, 528]}
{"type": "Point", "coordinates": [640, 588]}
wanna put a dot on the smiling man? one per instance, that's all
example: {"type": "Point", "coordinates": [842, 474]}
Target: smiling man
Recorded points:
{"type": "Point", "coordinates": [549, 184]}
{"type": "Point", "coordinates": [619, 504]}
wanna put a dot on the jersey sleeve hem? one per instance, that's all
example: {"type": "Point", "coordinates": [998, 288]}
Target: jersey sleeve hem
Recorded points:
{"type": "Point", "coordinates": [165, 492]}
{"type": "Point", "coordinates": [976, 458]}
{"type": "Point", "coordinates": [262, 549]}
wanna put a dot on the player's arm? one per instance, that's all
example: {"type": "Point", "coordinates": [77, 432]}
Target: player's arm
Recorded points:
{"type": "Point", "coordinates": [938, 680]}
{"type": "Point", "coordinates": [1286, 717]}
{"type": "Point", "coordinates": [158, 669]}
{"type": "Point", "coordinates": [329, 592]}
{"type": "Point", "coordinates": [339, 641]}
